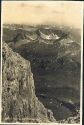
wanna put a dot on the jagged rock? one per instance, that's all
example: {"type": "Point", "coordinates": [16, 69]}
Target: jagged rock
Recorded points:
{"type": "Point", "coordinates": [19, 102]}
{"type": "Point", "coordinates": [51, 36]}
{"type": "Point", "coordinates": [72, 120]}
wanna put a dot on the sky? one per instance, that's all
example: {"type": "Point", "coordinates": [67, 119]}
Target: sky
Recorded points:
{"type": "Point", "coordinates": [42, 12]}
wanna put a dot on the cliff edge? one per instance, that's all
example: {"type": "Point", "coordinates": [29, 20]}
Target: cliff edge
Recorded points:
{"type": "Point", "coordinates": [19, 102]}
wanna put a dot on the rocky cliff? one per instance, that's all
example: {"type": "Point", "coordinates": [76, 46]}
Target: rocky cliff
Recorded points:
{"type": "Point", "coordinates": [19, 102]}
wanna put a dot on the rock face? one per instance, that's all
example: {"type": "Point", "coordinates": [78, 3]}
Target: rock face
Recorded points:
{"type": "Point", "coordinates": [19, 102]}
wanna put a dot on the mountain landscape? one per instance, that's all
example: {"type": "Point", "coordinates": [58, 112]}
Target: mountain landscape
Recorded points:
{"type": "Point", "coordinates": [54, 54]}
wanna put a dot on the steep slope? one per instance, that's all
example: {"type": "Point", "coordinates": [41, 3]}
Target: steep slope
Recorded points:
{"type": "Point", "coordinates": [19, 102]}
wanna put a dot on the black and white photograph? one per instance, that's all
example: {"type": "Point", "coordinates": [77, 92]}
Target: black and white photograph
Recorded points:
{"type": "Point", "coordinates": [41, 62]}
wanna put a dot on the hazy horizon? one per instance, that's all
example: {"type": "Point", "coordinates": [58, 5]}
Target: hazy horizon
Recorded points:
{"type": "Point", "coordinates": [64, 13]}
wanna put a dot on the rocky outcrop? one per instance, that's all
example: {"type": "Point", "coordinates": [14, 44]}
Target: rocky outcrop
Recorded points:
{"type": "Point", "coordinates": [51, 36]}
{"type": "Point", "coordinates": [19, 102]}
